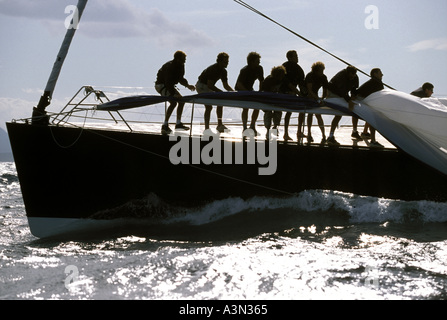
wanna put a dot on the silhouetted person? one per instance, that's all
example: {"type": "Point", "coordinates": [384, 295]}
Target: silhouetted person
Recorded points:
{"type": "Point", "coordinates": [248, 75]}
{"type": "Point", "coordinates": [315, 80]}
{"type": "Point", "coordinates": [344, 84]}
{"type": "Point", "coordinates": [425, 91]}
{"type": "Point", "coordinates": [272, 84]}
{"type": "Point", "coordinates": [293, 80]}
{"type": "Point", "coordinates": [373, 85]}
{"type": "Point", "coordinates": [170, 74]}
{"type": "Point", "coordinates": [207, 83]}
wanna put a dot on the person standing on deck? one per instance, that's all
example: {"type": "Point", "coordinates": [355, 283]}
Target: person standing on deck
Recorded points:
{"type": "Point", "coordinates": [373, 85]}
{"type": "Point", "coordinates": [207, 83]}
{"type": "Point", "coordinates": [272, 84]}
{"type": "Point", "coordinates": [344, 84]}
{"type": "Point", "coordinates": [171, 73]}
{"type": "Point", "coordinates": [248, 75]}
{"type": "Point", "coordinates": [294, 78]}
{"type": "Point", "coordinates": [315, 80]}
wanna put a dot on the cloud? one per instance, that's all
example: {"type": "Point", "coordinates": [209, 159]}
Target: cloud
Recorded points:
{"type": "Point", "coordinates": [111, 19]}
{"type": "Point", "coordinates": [36, 91]}
{"type": "Point", "coordinates": [22, 108]}
{"type": "Point", "coordinates": [149, 25]}
{"type": "Point", "coordinates": [431, 44]}
{"type": "Point", "coordinates": [12, 108]}
{"type": "Point", "coordinates": [42, 9]}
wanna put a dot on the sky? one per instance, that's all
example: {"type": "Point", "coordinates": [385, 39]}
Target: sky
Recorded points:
{"type": "Point", "coordinates": [123, 43]}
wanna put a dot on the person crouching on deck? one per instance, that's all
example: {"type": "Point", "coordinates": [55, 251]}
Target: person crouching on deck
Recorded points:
{"type": "Point", "coordinates": [171, 73]}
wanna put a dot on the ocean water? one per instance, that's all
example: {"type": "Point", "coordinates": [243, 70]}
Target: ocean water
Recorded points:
{"type": "Point", "coordinates": [315, 245]}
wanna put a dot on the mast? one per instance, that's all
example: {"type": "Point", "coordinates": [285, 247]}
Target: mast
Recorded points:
{"type": "Point", "coordinates": [39, 113]}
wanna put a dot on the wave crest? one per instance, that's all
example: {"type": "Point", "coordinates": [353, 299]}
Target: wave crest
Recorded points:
{"type": "Point", "coordinates": [359, 209]}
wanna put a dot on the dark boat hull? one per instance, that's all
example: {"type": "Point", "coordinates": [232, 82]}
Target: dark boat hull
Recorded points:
{"type": "Point", "coordinates": [75, 173]}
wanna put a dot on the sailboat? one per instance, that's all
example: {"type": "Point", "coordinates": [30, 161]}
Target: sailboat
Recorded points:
{"type": "Point", "coordinates": [75, 176]}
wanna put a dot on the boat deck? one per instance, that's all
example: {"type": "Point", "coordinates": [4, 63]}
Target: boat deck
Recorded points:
{"type": "Point", "coordinates": [342, 134]}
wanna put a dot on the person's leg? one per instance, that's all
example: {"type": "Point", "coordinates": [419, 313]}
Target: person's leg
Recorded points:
{"type": "Point", "coordinates": [321, 125]}
{"type": "Point", "coordinates": [180, 112]}
{"type": "Point", "coordinates": [169, 111]}
{"type": "Point", "coordinates": [365, 130]}
{"type": "Point", "coordinates": [208, 109]}
{"type": "Point", "coordinates": [309, 126]}
{"type": "Point", "coordinates": [286, 126]}
{"type": "Point", "coordinates": [300, 132]}
{"type": "Point", "coordinates": [254, 118]}
{"type": "Point", "coordinates": [331, 140]}
{"type": "Point", "coordinates": [220, 126]}
{"type": "Point", "coordinates": [179, 125]}
{"type": "Point", "coordinates": [277, 115]}
{"type": "Point", "coordinates": [355, 134]}
{"type": "Point", "coordinates": [268, 119]}
{"type": "Point", "coordinates": [219, 113]}
{"type": "Point", "coordinates": [373, 134]}
{"type": "Point", "coordinates": [374, 143]}
{"type": "Point", "coordinates": [355, 122]}
{"type": "Point", "coordinates": [334, 125]}
{"type": "Point", "coordinates": [244, 118]}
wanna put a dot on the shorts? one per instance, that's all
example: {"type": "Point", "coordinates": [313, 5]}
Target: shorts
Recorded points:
{"type": "Point", "coordinates": [202, 88]}
{"type": "Point", "coordinates": [163, 91]}
{"type": "Point", "coordinates": [270, 116]}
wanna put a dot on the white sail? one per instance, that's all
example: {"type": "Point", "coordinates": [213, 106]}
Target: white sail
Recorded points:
{"type": "Point", "coordinates": [417, 126]}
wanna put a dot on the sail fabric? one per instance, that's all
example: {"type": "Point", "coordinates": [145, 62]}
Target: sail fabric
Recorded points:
{"type": "Point", "coordinates": [417, 126]}
{"type": "Point", "coordinates": [241, 99]}
{"type": "Point", "coordinates": [131, 102]}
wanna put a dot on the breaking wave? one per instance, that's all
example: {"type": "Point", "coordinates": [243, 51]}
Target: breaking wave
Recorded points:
{"type": "Point", "coordinates": [315, 203]}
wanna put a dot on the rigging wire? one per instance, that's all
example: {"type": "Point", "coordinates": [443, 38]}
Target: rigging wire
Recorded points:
{"type": "Point", "coordinates": [246, 5]}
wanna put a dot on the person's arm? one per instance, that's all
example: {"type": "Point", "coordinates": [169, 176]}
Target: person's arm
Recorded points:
{"type": "Point", "coordinates": [212, 86]}
{"type": "Point", "coordinates": [325, 93]}
{"type": "Point", "coordinates": [227, 86]}
{"type": "Point", "coordinates": [311, 93]}
{"type": "Point", "coordinates": [185, 83]}
{"type": "Point", "coordinates": [293, 88]}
